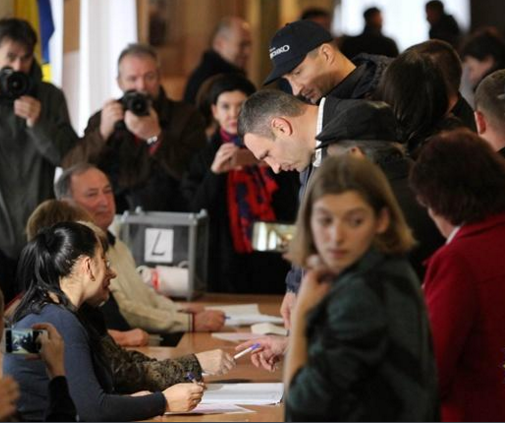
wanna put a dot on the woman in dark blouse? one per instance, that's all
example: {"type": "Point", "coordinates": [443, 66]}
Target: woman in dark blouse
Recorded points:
{"type": "Point", "coordinates": [62, 268]}
{"type": "Point", "coordinates": [360, 347]}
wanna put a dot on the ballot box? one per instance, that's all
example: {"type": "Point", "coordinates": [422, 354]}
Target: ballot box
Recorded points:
{"type": "Point", "coordinates": [170, 248]}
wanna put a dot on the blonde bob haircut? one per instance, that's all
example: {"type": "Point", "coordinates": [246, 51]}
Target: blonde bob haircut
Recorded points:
{"type": "Point", "coordinates": [337, 175]}
{"type": "Point", "coordinates": [51, 212]}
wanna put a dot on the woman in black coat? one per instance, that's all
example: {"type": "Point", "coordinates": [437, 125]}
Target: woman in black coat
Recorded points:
{"type": "Point", "coordinates": [236, 190]}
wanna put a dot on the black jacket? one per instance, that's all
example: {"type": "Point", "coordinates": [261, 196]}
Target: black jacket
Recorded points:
{"type": "Point", "coordinates": [369, 350]}
{"type": "Point", "coordinates": [211, 64]}
{"type": "Point", "coordinates": [362, 82]}
{"type": "Point", "coordinates": [230, 271]}
{"type": "Point", "coordinates": [370, 41]}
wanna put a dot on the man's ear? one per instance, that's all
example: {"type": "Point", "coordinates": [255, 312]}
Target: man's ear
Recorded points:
{"type": "Point", "coordinates": [327, 52]}
{"type": "Point", "coordinates": [282, 126]}
{"type": "Point", "coordinates": [480, 121]}
{"type": "Point", "coordinates": [356, 152]}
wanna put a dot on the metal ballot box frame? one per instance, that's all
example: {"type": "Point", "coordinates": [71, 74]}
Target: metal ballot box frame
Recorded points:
{"type": "Point", "coordinates": [169, 239]}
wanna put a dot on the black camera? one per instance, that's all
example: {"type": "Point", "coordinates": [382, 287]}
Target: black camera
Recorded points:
{"type": "Point", "coordinates": [13, 84]}
{"type": "Point", "coordinates": [137, 102]}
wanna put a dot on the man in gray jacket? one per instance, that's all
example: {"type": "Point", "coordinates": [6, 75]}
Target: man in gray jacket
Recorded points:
{"type": "Point", "coordinates": [35, 133]}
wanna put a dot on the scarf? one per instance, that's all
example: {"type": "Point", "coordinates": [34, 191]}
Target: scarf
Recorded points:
{"type": "Point", "coordinates": [250, 192]}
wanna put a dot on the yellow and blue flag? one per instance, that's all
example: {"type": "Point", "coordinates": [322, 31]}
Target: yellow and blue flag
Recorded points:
{"type": "Point", "coordinates": [40, 16]}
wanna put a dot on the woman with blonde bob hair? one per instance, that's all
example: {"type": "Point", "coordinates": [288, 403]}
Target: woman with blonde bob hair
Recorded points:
{"type": "Point", "coordinates": [360, 348]}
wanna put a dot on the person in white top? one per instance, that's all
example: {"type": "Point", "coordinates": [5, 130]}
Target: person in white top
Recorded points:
{"type": "Point", "coordinates": [139, 304]}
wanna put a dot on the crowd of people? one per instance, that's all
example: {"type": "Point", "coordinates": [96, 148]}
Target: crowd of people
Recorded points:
{"type": "Point", "coordinates": [396, 183]}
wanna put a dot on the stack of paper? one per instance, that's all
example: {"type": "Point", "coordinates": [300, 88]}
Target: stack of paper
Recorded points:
{"type": "Point", "coordinates": [235, 336]}
{"type": "Point", "coordinates": [245, 314]}
{"type": "Point", "coordinates": [213, 409]}
{"type": "Point", "coordinates": [243, 393]}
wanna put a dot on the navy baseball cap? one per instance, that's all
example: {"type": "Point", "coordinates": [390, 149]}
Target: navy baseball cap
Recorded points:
{"type": "Point", "coordinates": [290, 45]}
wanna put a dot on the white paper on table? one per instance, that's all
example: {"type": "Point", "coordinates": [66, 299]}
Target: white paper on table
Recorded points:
{"type": "Point", "coordinates": [235, 310]}
{"type": "Point", "coordinates": [244, 315]}
{"type": "Point", "coordinates": [251, 319]}
{"type": "Point", "coordinates": [214, 409]}
{"type": "Point", "coordinates": [235, 336]}
{"type": "Point", "coordinates": [260, 329]}
{"type": "Point", "coordinates": [243, 393]}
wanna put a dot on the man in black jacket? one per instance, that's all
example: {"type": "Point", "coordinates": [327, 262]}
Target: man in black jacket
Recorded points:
{"type": "Point", "coordinates": [230, 52]}
{"type": "Point", "coordinates": [143, 155]}
{"type": "Point", "coordinates": [291, 135]}
{"type": "Point", "coordinates": [306, 55]}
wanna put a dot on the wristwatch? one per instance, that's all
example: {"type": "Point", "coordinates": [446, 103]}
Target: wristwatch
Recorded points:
{"type": "Point", "coordinates": [152, 140]}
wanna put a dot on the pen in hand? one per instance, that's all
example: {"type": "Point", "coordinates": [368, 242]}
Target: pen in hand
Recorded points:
{"type": "Point", "coordinates": [246, 351]}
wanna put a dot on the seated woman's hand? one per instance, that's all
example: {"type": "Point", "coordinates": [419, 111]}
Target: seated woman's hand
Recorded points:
{"type": "Point", "coordinates": [52, 349]}
{"type": "Point", "coordinates": [215, 362]}
{"type": "Point", "coordinates": [130, 338]}
{"type": "Point", "coordinates": [183, 396]}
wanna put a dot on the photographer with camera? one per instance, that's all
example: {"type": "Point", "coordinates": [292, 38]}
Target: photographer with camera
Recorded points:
{"type": "Point", "coordinates": [144, 141]}
{"type": "Point", "coordinates": [35, 134]}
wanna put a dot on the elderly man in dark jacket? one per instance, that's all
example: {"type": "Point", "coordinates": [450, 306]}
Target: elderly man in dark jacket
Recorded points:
{"type": "Point", "coordinates": [143, 155]}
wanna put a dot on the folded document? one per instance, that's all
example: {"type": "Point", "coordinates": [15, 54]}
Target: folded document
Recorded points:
{"type": "Point", "coordinates": [243, 393]}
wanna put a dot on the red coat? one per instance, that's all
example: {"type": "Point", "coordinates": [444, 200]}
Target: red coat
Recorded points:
{"type": "Point", "coordinates": [465, 295]}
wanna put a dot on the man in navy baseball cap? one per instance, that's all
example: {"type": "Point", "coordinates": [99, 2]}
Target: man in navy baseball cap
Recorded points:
{"type": "Point", "coordinates": [306, 55]}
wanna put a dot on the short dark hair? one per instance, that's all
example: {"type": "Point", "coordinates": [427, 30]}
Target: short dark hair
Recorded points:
{"type": "Point", "coordinates": [460, 177]}
{"type": "Point", "coordinates": [259, 109]}
{"type": "Point", "coordinates": [63, 186]}
{"type": "Point", "coordinates": [229, 82]}
{"type": "Point", "coordinates": [436, 5]}
{"type": "Point", "coordinates": [315, 12]}
{"type": "Point", "coordinates": [137, 49]}
{"type": "Point", "coordinates": [483, 43]}
{"type": "Point", "coordinates": [413, 85]}
{"type": "Point", "coordinates": [379, 152]}
{"type": "Point", "coordinates": [446, 58]}
{"type": "Point", "coordinates": [490, 98]}
{"type": "Point", "coordinates": [370, 13]}
{"type": "Point", "coordinates": [19, 31]}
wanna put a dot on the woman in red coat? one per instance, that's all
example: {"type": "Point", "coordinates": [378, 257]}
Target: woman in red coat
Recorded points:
{"type": "Point", "coordinates": [462, 183]}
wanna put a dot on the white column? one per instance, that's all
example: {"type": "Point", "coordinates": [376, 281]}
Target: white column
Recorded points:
{"type": "Point", "coordinates": [56, 43]}
{"type": "Point", "coordinates": [106, 28]}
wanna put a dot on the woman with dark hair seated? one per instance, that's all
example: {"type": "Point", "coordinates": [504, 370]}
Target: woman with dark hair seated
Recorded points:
{"type": "Point", "coordinates": [462, 183]}
{"type": "Point", "coordinates": [62, 268]}
{"type": "Point", "coordinates": [415, 88]}
{"type": "Point", "coordinates": [236, 190]}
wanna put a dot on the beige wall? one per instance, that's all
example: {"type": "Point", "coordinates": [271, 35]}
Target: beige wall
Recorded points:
{"type": "Point", "coordinates": [71, 25]}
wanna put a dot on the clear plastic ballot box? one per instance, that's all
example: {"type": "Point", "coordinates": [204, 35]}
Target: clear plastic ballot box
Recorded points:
{"type": "Point", "coordinates": [173, 243]}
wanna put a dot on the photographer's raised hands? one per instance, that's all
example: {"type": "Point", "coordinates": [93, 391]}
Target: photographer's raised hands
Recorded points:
{"type": "Point", "coordinates": [112, 112]}
{"type": "Point", "coordinates": [28, 108]}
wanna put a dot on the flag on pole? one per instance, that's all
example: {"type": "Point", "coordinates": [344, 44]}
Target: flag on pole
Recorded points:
{"type": "Point", "coordinates": [39, 14]}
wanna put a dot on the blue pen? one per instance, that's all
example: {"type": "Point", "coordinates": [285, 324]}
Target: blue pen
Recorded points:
{"type": "Point", "coordinates": [246, 351]}
{"type": "Point", "coordinates": [191, 377]}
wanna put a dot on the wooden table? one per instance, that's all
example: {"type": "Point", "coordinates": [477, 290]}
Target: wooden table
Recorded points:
{"type": "Point", "coordinates": [244, 372]}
